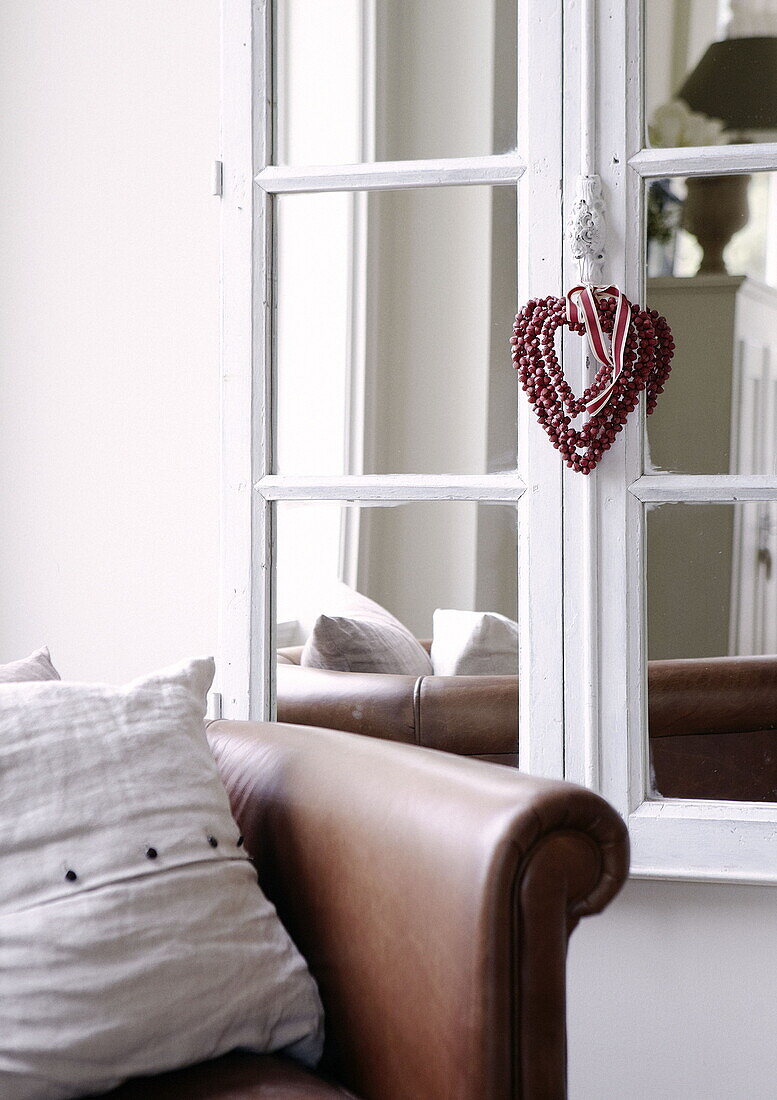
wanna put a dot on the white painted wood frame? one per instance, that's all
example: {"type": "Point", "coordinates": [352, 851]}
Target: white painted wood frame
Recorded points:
{"type": "Point", "coordinates": [605, 699]}
{"type": "Point", "coordinates": [395, 175]}
{"type": "Point", "coordinates": [251, 486]}
{"type": "Point", "coordinates": [540, 273]}
{"type": "Point", "coordinates": [245, 607]}
{"type": "Point", "coordinates": [707, 160]}
{"type": "Point", "coordinates": [360, 269]}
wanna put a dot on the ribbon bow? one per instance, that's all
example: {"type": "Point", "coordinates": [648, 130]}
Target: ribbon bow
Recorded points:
{"type": "Point", "coordinates": [609, 352]}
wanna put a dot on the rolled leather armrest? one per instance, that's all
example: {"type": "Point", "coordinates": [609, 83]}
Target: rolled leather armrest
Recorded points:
{"type": "Point", "coordinates": [432, 896]}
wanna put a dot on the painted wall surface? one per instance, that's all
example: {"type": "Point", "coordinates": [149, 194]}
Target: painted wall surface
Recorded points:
{"type": "Point", "coordinates": [671, 995]}
{"type": "Point", "coordinates": [109, 332]}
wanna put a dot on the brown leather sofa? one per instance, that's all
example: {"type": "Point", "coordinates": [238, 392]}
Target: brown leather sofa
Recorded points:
{"type": "Point", "coordinates": [713, 721]}
{"type": "Point", "coordinates": [433, 898]}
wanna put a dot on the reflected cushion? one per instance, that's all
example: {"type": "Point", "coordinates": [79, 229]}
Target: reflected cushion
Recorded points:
{"type": "Point", "coordinates": [37, 666]}
{"type": "Point", "coordinates": [355, 634]}
{"type": "Point", "coordinates": [474, 643]}
{"type": "Point", "coordinates": [133, 936]}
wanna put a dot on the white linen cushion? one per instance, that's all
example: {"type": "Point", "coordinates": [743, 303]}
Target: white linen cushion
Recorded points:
{"type": "Point", "coordinates": [474, 643]}
{"type": "Point", "coordinates": [37, 666]}
{"type": "Point", "coordinates": [355, 634]}
{"type": "Point", "coordinates": [162, 951]}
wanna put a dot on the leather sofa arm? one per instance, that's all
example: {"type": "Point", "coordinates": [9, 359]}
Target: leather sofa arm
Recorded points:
{"type": "Point", "coordinates": [433, 897]}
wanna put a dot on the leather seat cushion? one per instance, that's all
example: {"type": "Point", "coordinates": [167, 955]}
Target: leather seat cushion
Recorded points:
{"type": "Point", "coordinates": [235, 1076]}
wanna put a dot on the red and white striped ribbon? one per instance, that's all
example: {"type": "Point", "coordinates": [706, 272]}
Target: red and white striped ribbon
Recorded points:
{"type": "Point", "coordinates": [609, 352]}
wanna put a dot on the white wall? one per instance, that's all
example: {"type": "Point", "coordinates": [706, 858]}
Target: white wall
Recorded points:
{"type": "Point", "coordinates": [672, 995]}
{"type": "Point", "coordinates": [109, 332]}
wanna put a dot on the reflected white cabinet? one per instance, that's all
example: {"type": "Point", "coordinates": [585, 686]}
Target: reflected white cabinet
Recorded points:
{"type": "Point", "coordinates": [725, 327]}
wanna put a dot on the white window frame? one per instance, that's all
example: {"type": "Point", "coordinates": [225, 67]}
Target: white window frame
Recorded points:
{"type": "Point", "coordinates": [251, 487]}
{"type": "Point", "coordinates": [582, 659]}
{"type": "Point", "coordinates": [608, 748]}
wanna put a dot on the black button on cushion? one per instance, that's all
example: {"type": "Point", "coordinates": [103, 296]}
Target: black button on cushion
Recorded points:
{"type": "Point", "coordinates": [151, 853]}
{"type": "Point", "coordinates": [71, 876]}
{"type": "Point", "coordinates": [213, 842]}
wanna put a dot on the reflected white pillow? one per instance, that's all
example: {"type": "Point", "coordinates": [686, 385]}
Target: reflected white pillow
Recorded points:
{"type": "Point", "coordinates": [360, 645]}
{"type": "Point", "coordinates": [355, 634]}
{"type": "Point", "coordinates": [474, 643]}
{"type": "Point", "coordinates": [133, 936]}
{"type": "Point", "coordinates": [37, 666]}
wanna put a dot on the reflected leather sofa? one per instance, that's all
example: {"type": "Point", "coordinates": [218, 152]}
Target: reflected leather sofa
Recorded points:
{"type": "Point", "coordinates": [713, 728]}
{"type": "Point", "coordinates": [469, 715]}
{"type": "Point", "coordinates": [712, 721]}
{"type": "Point", "coordinates": [433, 898]}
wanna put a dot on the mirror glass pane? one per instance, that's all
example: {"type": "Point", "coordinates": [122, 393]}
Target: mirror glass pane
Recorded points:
{"type": "Point", "coordinates": [710, 72]}
{"type": "Point", "coordinates": [364, 80]}
{"type": "Point", "coordinates": [410, 560]}
{"type": "Point", "coordinates": [712, 650]}
{"type": "Point", "coordinates": [394, 313]}
{"type": "Point", "coordinates": [712, 271]}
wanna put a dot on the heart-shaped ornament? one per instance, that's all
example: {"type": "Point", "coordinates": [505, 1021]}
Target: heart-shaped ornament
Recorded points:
{"type": "Point", "coordinates": [632, 346]}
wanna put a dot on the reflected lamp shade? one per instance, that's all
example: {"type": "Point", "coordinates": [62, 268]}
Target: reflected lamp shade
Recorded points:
{"type": "Point", "coordinates": [736, 81]}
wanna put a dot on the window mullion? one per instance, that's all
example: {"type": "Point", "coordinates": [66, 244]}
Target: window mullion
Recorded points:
{"type": "Point", "coordinates": [392, 488]}
{"type": "Point", "coordinates": [704, 488]}
{"type": "Point", "coordinates": [705, 160]}
{"type": "Point", "coordinates": [392, 175]}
